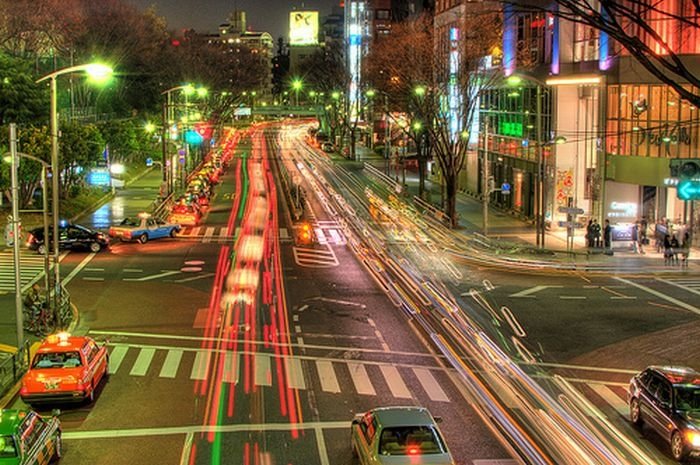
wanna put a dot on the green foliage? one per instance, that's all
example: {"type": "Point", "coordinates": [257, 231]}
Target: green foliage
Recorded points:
{"type": "Point", "coordinates": [80, 149]}
{"type": "Point", "coordinates": [21, 100]}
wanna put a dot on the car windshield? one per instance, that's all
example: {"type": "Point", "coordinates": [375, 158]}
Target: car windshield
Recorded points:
{"type": "Point", "coordinates": [688, 398]}
{"type": "Point", "coordinates": [57, 360]}
{"type": "Point", "coordinates": [7, 447]}
{"type": "Point", "coordinates": [129, 222]}
{"type": "Point", "coordinates": [410, 440]}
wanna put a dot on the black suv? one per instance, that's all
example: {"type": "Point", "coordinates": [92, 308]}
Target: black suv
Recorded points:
{"type": "Point", "coordinates": [70, 236]}
{"type": "Point", "coordinates": [668, 400]}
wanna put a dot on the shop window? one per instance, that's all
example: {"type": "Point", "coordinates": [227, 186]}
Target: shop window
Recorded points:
{"type": "Point", "coordinates": [586, 42]}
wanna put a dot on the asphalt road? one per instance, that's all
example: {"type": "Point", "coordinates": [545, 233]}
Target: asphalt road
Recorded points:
{"type": "Point", "coordinates": [192, 384]}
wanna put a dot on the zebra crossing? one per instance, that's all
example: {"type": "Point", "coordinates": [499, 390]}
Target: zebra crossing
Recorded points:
{"type": "Point", "coordinates": [333, 376]}
{"type": "Point", "coordinates": [310, 257]}
{"type": "Point", "coordinates": [326, 233]}
{"type": "Point", "coordinates": [31, 267]}
{"type": "Point", "coordinates": [689, 283]}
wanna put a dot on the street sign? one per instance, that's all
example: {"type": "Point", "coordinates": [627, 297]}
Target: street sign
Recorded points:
{"type": "Point", "coordinates": [149, 161]}
{"type": "Point", "coordinates": [688, 190]}
{"type": "Point", "coordinates": [569, 224]}
{"type": "Point", "coordinates": [505, 188]}
{"type": "Point", "coordinates": [571, 210]}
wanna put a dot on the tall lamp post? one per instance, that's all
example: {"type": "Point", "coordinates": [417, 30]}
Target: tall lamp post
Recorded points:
{"type": "Point", "coordinates": [98, 73]}
{"type": "Point", "coordinates": [297, 84]}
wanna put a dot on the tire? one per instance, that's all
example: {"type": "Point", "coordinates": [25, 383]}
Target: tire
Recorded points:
{"type": "Point", "coordinates": [678, 449]}
{"type": "Point", "coordinates": [635, 412]}
{"type": "Point", "coordinates": [173, 232]}
{"type": "Point", "coordinates": [41, 249]}
{"type": "Point", "coordinates": [91, 396]}
{"type": "Point", "coordinates": [143, 238]}
{"type": "Point", "coordinates": [95, 247]}
{"type": "Point", "coordinates": [58, 448]}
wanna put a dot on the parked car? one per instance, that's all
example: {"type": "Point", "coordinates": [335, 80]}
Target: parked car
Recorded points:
{"type": "Point", "coordinates": [327, 147]}
{"type": "Point", "coordinates": [65, 368]}
{"type": "Point", "coordinates": [398, 435]}
{"type": "Point", "coordinates": [143, 228]}
{"type": "Point", "coordinates": [185, 214]}
{"type": "Point", "coordinates": [29, 438]}
{"type": "Point", "coordinates": [71, 237]}
{"type": "Point", "coordinates": [667, 399]}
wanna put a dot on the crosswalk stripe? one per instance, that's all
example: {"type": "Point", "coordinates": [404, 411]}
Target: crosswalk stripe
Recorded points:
{"type": "Point", "coordinates": [263, 375]}
{"type": "Point", "coordinates": [284, 234]}
{"type": "Point", "coordinates": [223, 233]}
{"type": "Point", "coordinates": [395, 382]}
{"type": "Point", "coordinates": [143, 361]}
{"type": "Point", "coordinates": [335, 236]}
{"type": "Point", "coordinates": [326, 374]}
{"type": "Point", "coordinates": [116, 357]}
{"type": "Point", "coordinates": [208, 234]}
{"type": "Point", "coordinates": [430, 385]}
{"type": "Point", "coordinates": [610, 397]}
{"type": "Point", "coordinates": [320, 237]}
{"type": "Point", "coordinates": [295, 374]}
{"type": "Point", "coordinates": [171, 364]}
{"type": "Point", "coordinates": [201, 365]}
{"type": "Point", "coordinates": [363, 385]}
{"type": "Point", "coordinates": [195, 231]}
{"type": "Point", "coordinates": [230, 371]}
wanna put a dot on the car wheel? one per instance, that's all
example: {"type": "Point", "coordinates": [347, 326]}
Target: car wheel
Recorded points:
{"type": "Point", "coordinates": [173, 232]}
{"type": "Point", "coordinates": [57, 448]}
{"type": "Point", "coordinates": [91, 396]}
{"type": "Point", "coordinates": [95, 247]}
{"type": "Point", "coordinates": [143, 238]}
{"type": "Point", "coordinates": [635, 412]}
{"type": "Point", "coordinates": [678, 446]}
{"type": "Point", "coordinates": [41, 250]}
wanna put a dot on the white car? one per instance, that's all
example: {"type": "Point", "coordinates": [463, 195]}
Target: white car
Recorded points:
{"type": "Point", "coordinates": [397, 436]}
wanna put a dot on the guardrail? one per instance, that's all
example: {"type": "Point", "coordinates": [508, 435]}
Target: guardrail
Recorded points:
{"type": "Point", "coordinates": [12, 367]}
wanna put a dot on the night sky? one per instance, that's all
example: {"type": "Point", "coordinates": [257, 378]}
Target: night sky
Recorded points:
{"type": "Point", "coordinates": [205, 15]}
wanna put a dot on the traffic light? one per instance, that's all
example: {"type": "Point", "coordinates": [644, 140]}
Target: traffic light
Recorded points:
{"type": "Point", "coordinates": [688, 174]}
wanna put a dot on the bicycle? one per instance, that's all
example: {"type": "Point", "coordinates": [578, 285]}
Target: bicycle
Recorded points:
{"type": "Point", "coordinates": [38, 319]}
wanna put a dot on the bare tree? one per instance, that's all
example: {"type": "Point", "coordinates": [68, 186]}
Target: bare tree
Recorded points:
{"type": "Point", "coordinates": [438, 86]}
{"type": "Point", "coordinates": [650, 30]}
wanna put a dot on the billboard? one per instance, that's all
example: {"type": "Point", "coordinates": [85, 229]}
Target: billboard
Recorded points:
{"type": "Point", "coordinates": [303, 28]}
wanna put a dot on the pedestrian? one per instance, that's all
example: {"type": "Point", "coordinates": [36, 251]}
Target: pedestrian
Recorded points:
{"type": "Point", "coordinates": [659, 234]}
{"type": "Point", "coordinates": [643, 227]}
{"type": "Point", "coordinates": [589, 234]}
{"type": "Point", "coordinates": [642, 237]}
{"type": "Point", "coordinates": [685, 253]}
{"type": "Point", "coordinates": [595, 228]}
{"type": "Point", "coordinates": [668, 251]}
{"type": "Point", "coordinates": [675, 249]}
{"type": "Point", "coordinates": [607, 235]}
{"type": "Point", "coordinates": [635, 238]}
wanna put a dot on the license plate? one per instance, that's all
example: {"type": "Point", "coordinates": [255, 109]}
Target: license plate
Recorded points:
{"type": "Point", "coordinates": [51, 385]}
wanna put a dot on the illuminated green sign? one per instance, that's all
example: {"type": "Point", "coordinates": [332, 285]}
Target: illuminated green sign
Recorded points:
{"type": "Point", "coordinates": [510, 128]}
{"type": "Point", "coordinates": [688, 190]}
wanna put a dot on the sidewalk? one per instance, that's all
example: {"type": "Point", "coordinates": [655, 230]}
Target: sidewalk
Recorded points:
{"type": "Point", "coordinates": [509, 230]}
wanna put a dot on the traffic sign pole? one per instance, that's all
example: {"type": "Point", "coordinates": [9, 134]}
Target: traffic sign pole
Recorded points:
{"type": "Point", "coordinates": [15, 232]}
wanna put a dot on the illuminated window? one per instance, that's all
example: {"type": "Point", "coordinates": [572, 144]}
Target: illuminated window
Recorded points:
{"type": "Point", "coordinates": [586, 43]}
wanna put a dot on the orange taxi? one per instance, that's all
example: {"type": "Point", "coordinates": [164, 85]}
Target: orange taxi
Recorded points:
{"type": "Point", "coordinates": [65, 368]}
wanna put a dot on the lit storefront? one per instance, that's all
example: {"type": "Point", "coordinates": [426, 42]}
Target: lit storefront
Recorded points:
{"type": "Point", "coordinates": [647, 124]}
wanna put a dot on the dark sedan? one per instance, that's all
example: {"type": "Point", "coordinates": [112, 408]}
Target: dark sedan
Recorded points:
{"type": "Point", "coordinates": [667, 399]}
{"type": "Point", "coordinates": [70, 237]}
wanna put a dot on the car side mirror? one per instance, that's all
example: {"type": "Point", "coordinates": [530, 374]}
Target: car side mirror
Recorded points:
{"type": "Point", "coordinates": [437, 419]}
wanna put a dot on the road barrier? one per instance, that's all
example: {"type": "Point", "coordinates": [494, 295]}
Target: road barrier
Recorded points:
{"type": "Point", "coordinates": [13, 366]}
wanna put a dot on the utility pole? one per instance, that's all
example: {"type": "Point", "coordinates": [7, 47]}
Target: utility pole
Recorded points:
{"type": "Point", "coordinates": [15, 234]}
{"type": "Point", "coordinates": [486, 188]}
{"type": "Point", "coordinates": [540, 194]}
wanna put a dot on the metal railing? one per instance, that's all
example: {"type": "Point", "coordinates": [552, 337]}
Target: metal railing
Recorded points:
{"type": "Point", "coordinates": [12, 367]}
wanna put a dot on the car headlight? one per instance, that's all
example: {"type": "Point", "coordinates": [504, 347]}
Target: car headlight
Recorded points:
{"type": "Point", "coordinates": [693, 438]}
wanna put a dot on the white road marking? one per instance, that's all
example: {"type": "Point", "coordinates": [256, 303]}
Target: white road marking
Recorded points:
{"type": "Point", "coordinates": [326, 374]}
{"type": "Point", "coordinates": [208, 233]}
{"type": "Point", "coordinates": [195, 429]}
{"type": "Point", "coordinates": [88, 278]}
{"type": "Point", "coordinates": [395, 382]}
{"type": "Point", "coordinates": [335, 236]}
{"type": "Point", "coordinates": [171, 364]}
{"type": "Point", "coordinates": [195, 231]}
{"type": "Point", "coordinates": [78, 268]}
{"type": "Point", "coordinates": [263, 375]}
{"type": "Point", "coordinates": [143, 361]}
{"type": "Point", "coordinates": [153, 276]}
{"type": "Point", "coordinates": [132, 270]}
{"type": "Point", "coordinates": [302, 308]}
{"type": "Point", "coordinates": [680, 285]}
{"type": "Point", "coordinates": [611, 398]}
{"type": "Point", "coordinates": [186, 448]}
{"type": "Point", "coordinates": [430, 384]}
{"type": "Point", "coordinates": [341, 302]}
{"type": "Point", "coordinates": [661, 295]}
{"type": "Point", "coordinates": [360, 379]}
{"type": "Point", "coordinates": [231, 364]}
{"type": "Point", "coordinates": [320, 237]}
{"type": "Point", "coordinates": [532, 290]}
{"type": "Point", "coordinates": [223, 233]}
{"type": "Point", "coordinates": [194, 278]}
{"type": "Point", "coordinates": [321, 446]}
{"type": "Point", "coordinates": [200, 368]}
{"type": "Point", "coordinates": [116, 357]}
{"type": "Point", "coordinates": [572, 297]}
{"type": "Point", "coordinates": [295, 373]}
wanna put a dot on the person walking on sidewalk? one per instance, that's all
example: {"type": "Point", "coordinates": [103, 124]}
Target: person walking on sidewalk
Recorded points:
{"type": "Point", "coordinates": [607, 236]}
{"type": "Point", "coordinates": [589, 234]}
{"type": "Point", "coordinates": [641, 237]}
{"type": "Point", "coordinates": [635, 238]}
{"type": "Point", "coordinates": [675, 249]}
{"type": "Point", "coordinates": [660, 232]}
{"type": "Point", "coordinates": [595, 228]}
{"type": "Point", "coordinates": [668, 251]}
{"type": "Point", "coordinates": [685, 251]}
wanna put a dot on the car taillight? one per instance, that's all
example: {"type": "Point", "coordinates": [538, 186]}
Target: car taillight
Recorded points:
{"type": "Point", "coordinates": [23, 390]}
{"type": "Point", "coordinates": [413, 450]}
{"type": "Point", "coordinates": [30, 238]}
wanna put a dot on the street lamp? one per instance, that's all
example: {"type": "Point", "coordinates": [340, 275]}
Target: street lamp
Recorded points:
{"type": "Point", "coordinates": [97, 73]}
{"type": "Point", "coordinates": [297, 84]}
